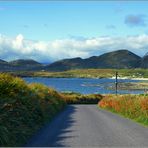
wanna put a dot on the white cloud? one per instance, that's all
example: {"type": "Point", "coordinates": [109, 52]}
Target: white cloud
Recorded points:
{"type": "Point", "coordinates": [18, 42]}
{"type": "Point", "coordinates": [47, 51]}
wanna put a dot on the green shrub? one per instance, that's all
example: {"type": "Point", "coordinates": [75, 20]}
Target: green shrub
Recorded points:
{"type": "Point", "coordinates": [24, 109]}
{"type": "Point", "coordinates": [76, 98]}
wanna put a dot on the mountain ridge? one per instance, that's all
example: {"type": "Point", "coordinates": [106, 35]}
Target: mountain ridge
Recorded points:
{"type": "Point", "coordinates": [115, 59]}
{"type": "Point", "coordinates": [144, 62]}
{"type": "Point", "coordinates": [118, 59]}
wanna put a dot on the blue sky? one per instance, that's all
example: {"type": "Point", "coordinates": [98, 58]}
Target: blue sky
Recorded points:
{"type": "Point", "coordinates": [67, 24]}
{"type": "Point", "coordinates": [54, 20]}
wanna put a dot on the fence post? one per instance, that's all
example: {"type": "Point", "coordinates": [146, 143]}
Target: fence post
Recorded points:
{"type": "Point", "coordinates": [116, 82]}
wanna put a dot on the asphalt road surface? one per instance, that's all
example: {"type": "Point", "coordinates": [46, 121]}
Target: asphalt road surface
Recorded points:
{"type": "Point", "coordinates": [87, 125]}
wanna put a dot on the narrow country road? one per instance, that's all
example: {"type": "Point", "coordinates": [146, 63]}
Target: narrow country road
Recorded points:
{"type": "Point", "coordinates": [87, 125]}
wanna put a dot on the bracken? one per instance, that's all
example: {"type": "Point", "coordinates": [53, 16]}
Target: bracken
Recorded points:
{"type": "Point", "coordinates": [131, 106]}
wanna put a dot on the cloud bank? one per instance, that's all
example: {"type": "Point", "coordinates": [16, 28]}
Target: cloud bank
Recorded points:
{"type": "Point", "coordinates": [49, 51]}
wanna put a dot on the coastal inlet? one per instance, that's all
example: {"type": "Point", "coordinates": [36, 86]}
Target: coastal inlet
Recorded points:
{"type": "Point", "coordinates": [92, 86]}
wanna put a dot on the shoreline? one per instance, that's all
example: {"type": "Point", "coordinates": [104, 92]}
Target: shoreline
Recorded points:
{"type": "Point", "coordinates": [145, 79]}
{"type": "Point", "coordinates": [121, 78]}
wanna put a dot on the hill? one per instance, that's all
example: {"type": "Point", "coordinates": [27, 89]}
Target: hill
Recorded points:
{"type": "Point", "coordinates": [3, 62]}
{"type": "Point", "coordinates": [116, 59]}
{"type": "Point", "coordinates": [4, 65]}
{"type": "Point", "coordinates": [144, 63]}
{"type": "Point", "coordinates": [25, 64]}
{"type": "Point", "coordinates": [66, 64]}
{"type": "Point", "coordinates": [120, 59]}
{"type": "Point", "coordinates": [20, 64]}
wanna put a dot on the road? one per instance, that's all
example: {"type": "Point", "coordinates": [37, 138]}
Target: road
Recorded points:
{"type": "Point", "coordinates": [87, 125]}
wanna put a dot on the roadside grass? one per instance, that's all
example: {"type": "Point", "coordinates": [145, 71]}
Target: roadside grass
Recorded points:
{"type": "Point", "coordinates": [24, 108]}
{"type": "Point", "coordinates": [76, 98]}
{"type": "Point", "coordinates": [134, 107]}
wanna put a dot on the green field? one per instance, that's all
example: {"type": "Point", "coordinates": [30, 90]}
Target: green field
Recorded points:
{"type": "Point", "coordinates": [86, 73]}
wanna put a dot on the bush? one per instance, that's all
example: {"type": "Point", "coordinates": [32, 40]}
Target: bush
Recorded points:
{"type": "Point", "coordinates": [75, 98]}
{"type": "Point", "coordinates": [131, 106]}
{"type": "Point", "coordinates": [24, 109]}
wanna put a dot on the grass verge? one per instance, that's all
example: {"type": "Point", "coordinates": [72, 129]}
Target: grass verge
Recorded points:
{"type": "Point", "coordinates": [134, 107]}
{"type": "Point", "coordinates": [76, 98]}
{"type": "Point", "coordinates": [24, 109]}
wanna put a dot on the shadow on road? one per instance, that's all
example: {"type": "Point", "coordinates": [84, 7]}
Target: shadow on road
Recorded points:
{"type": "Point", "coordinates": [64, 131]}
{"type": "Point", "coordinates": [56, 131]}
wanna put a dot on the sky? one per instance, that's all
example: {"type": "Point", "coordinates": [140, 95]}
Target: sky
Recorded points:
{"type": "Point", "coordinates": [47, 31]}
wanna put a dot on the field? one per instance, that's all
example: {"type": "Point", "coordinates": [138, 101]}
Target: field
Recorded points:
{"type": "Point", "coordinates": [86, 73]}
{"type": "Point", "coordinates": [131, 106]}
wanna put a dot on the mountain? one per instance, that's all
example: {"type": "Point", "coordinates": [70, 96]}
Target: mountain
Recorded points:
{"type": "Point", "coordinates": [65, 64]}
{"type": "Point", "coordinates": [25, 64]}
{"type": "Point", "coordinates": [144, 63]}
{"type": "Point", "coordinates": [119, 59]}
{"type": "Point", "coordinates": [20, 64]}
{"type": "Point", "coordinates": [115, 59]}
{"type": "Point", "coordinates": [3, 62]}
{"type": "Point", "coordinates": [4, 65]}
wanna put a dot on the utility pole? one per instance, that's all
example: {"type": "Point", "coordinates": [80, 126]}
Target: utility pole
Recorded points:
{"type": "Point", "coordinates": [116, 82]}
